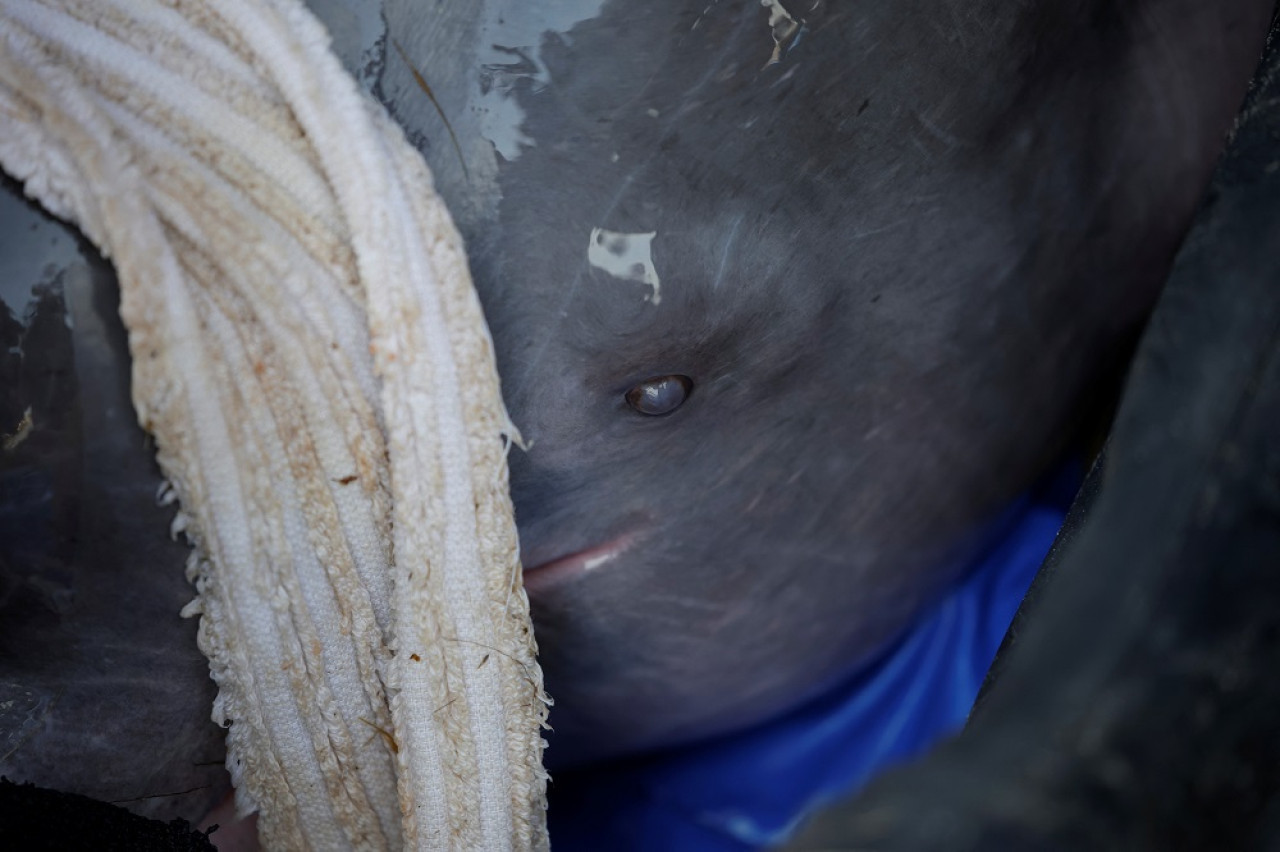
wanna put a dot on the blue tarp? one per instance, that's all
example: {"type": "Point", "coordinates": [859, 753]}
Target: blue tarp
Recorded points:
{"type": "Point", "coordinates": [752, 789]}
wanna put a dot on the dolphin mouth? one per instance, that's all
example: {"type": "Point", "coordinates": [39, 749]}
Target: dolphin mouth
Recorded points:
{"type": "Point", "coordinates": [562, 569]}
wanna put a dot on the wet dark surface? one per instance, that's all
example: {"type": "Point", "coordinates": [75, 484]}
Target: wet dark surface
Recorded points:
{"type": "Point", "coordinates": [1135, 704]}
{"type": "Point", "coordinates": [96, 666]}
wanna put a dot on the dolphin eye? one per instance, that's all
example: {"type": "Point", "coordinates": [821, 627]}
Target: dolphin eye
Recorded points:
{"type": "Point", "coordinates": [658, 396]}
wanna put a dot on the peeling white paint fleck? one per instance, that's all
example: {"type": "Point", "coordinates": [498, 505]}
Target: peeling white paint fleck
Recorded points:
{"type": "Point", "coordinates": [31, 247]}
{"type": "Point", "coordinates": [781, 27]}
{"type": "Point", "coordinates": [628, 257]}
{"type": "Point", "coordinates": [511, 36]}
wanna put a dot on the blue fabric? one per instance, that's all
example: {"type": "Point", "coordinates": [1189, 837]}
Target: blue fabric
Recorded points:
{"type": "Point", "coordinates": [752, 789]}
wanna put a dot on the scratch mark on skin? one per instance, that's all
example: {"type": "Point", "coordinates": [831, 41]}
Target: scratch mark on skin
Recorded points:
{"type": "Point", "coordinates": [158, 795]}
{"type": "Point", "coordinates": [949, 139]}
{"type": "Point", "coordinates": [422, 84]}
{"type": "Point", "coordinates": [729, 473]}
{"type": "Point", "coordinates": [724, 255]}
{"type": "Point", "coordinates": [676, 602]}
{"type": "Point", "coordinates": [703, 14]}
{"type": "Point", "coordinates": [871, 232]}
{"type": "Point", "coordinates": [790, 72]}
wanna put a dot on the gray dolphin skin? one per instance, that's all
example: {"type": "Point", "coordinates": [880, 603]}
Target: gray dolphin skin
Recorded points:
{"type": "Point", "coordinates": [789, 301]}
{"type": "Point", "coordinates": [886, 267]}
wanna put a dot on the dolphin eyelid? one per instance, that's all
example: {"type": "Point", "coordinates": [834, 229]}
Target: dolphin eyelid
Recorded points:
{"type": "Point", "coordinates": [660, 395]}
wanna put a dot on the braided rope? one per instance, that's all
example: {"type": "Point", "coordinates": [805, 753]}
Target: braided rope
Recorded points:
{"type": "Point", "coordinates": [311, 358]}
